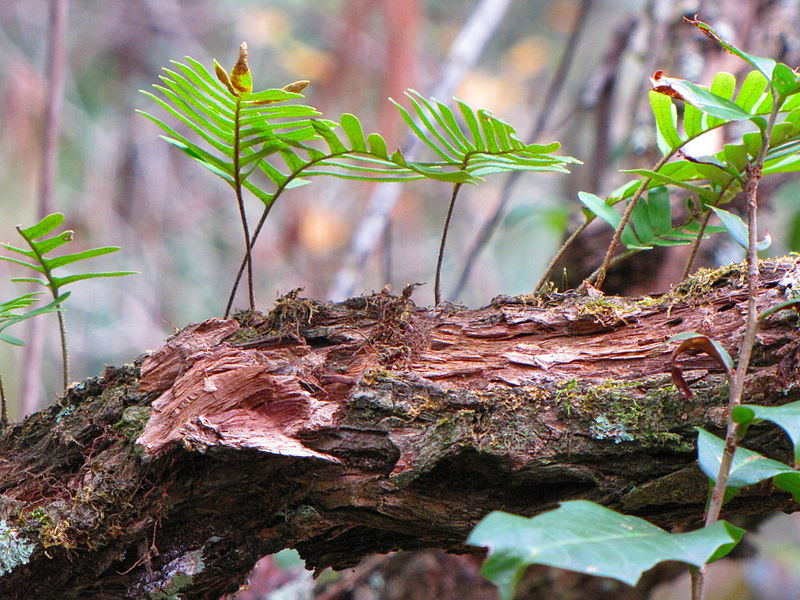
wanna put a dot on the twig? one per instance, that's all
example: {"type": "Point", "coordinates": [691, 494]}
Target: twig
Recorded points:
{"type": "Point", "coordinates": [489, 226]}
{"type": "Point", "coordinates": [736, 390]}
{"type": "Point", "coordinates": [463, 55]}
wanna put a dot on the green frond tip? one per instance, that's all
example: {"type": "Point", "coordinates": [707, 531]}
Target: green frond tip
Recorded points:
{"type": "Point", "coordinates": [40, 248]}
{"type": "Point", "coordinates": [477, 141]}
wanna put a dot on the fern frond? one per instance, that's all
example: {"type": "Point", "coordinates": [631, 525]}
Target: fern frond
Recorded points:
{"type": "Point", "coordinates": [41, 246]}
{"type": "Point", "coordinates": [483, 145]}
{"type": "Point", "coordinates": [9, 315]}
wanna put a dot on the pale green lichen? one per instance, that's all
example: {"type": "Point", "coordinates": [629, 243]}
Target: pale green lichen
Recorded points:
{"type": "Point", "coordinates": [14, 550]}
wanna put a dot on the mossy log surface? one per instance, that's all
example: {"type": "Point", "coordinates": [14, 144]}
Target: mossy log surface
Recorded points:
{"type": "Point", "coordinates": [373, 425]}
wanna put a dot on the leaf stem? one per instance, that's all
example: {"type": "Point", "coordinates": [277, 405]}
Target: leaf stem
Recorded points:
{"type": "Point", "coordinates": [237, 184]}
{"type": "Point", "coordinates": [62, 329]}
{"type": "Point", "coordinates": [567, 243]}
{"type": "Point", "coordinates": [3, 407]}
{"type": "Point", "coordinates": [437, 289]}
{"type": "Point", "coordinates": [600, 275]}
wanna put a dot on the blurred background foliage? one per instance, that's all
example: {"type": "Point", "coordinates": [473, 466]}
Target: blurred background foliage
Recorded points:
{"type": "Point", "coordinates": [119, 184]}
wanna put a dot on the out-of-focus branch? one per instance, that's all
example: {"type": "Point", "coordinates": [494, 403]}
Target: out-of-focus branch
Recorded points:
{"type": "Point", "coordinates": [553, 89]}
{"type": "Point", "coordinates": [463, 55]}
{"type": "Point", "coordinates": [54, 92]}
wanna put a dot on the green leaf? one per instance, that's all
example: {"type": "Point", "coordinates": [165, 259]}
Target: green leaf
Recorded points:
{"type": "Point", "coordinates": [65, 259]}
{"type": "Point", "coordinates": [784, 80]}
{"type": "Point", "coordinates": [765, 65]}
{"type": "Point", "coordinates": [752, 90]}
{"type": "Point", "coordinates": [666, 117]}
{"type": "Point", "coordinates": [599, 207]}
{"type": "Point", "coordinates": [586, 537]}
{"type": "Point", "coordinates": [352, 127]}
{"type": "Point", "coordinates": [747, 467]}
{"type": "Point", "coordinates": [787, 417]}
{"type": "Point", "coordinates": [723, 85]}
{"type": "Point", "coordinates": [43, 227]}
{"type": "Point", "coordinates": [62, 281]}
{"type": "Point", "coordinates": [739, 230]}
{"type": "Point", "coordinates": [699, 97]}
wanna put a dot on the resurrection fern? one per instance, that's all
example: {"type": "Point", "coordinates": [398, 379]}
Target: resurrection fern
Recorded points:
{"type": "Point", "coordinates": [36, 258]}
{"type": "Point", "coordinates": [348, 155]}
{"type": "Point", "coordinates": [483, 146]}
{"type": "Point", "coordinates": [244, 134]}
{"type": "Point", "coordinates": [238, 126]}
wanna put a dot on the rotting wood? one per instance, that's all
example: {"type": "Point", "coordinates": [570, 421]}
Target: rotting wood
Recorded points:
{"type": "Point", "coordinates": [373, 425]}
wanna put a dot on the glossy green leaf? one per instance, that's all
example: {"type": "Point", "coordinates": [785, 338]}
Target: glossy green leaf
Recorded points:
{"type": "Point", "coordinates": [700, 98]}
{"type": "Point", "coordinates": [739, 230]}
{"type": "Point", "coordinates": [764, 65]}
{"type": "Point", "coordinates": [586, 537]}
{"type": "Point", "coordinates": [599, 207]}
{"type": "Point", "coordinates": [747, 467]}
{"type": "Point", "coordinates": [666, 117]}
{"type": "Point", "coordinates": [787, 417]}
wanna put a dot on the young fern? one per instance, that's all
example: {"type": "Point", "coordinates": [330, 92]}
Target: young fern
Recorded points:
{"type": "Point", "coordinates": [486, 145]}
{"type": "Point", "coordinates": [354, 155]}
{"type": "Point", "coordinates": [35, 258]}
{"type": "Point", "coordinates": [238, 127]}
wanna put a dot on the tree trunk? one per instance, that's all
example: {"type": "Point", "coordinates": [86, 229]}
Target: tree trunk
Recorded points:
{"type": "Point", "coordinates": [372, 425]}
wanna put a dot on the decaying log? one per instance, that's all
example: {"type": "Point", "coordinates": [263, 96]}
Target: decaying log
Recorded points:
{"type": "Point", "coordinates": [373, 425]}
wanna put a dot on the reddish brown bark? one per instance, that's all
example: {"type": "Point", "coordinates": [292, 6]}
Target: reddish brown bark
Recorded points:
{"type": "Point", "coordinates": [373, 425]}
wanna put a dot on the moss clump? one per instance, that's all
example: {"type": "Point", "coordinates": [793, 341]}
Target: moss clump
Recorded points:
{"type": "Point", "coordinates": [624, 411]}
{"type": "Point", "coordinates": [132, 422]}
{"type": "Point", "coordinates": [608, 311]}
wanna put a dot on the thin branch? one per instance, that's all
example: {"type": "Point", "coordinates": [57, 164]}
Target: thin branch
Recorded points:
{"type": "Point", "coordinates": [489, 226]}
{"type": "Point", "coordinates": [237, 183]}
{"type": "Point", "coordinates": [598, 277]}
{"type": "Point", "coordinates": [54, 94]}
{"type": "Point", "coordinates": [736, 389]}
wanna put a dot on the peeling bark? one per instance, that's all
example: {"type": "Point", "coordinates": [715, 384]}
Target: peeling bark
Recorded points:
{"type": "Point", "coordinates": [374, 425]}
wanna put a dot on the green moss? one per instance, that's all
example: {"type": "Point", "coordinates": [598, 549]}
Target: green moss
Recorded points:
{"type": "Point", "coordinates": [608, 310]}
{"type": "Point", "coordinates": [132, 422]}
{"type": "Point", "coordinates": [620, 411]}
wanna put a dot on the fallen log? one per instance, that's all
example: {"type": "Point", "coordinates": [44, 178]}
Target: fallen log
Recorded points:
{"type": "Point", "coordinates": [373, 425]}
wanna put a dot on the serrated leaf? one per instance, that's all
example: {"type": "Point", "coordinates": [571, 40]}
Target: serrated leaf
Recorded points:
{"type": "Point", "coordinates": [747, 467]}
{"type": "Point", "coordinates": [586, 537]}
{"type": "Point", "coordinates": [787, 417]}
